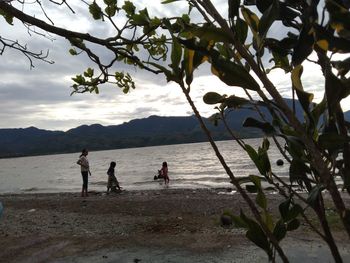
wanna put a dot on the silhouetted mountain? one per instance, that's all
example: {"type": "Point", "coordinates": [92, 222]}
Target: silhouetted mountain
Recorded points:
{"type": "Point", "coordinates": [154, 130]}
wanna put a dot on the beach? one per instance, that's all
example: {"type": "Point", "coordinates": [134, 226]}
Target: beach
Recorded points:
{"type": "Point", "coordinates": [166, 225]}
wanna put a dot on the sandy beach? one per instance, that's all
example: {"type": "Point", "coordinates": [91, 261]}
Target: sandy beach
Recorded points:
{"type": "Point", "coordinates": [168, 225]}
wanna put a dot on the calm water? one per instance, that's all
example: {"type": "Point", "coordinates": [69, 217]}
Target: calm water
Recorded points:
{"type": "Point", "coordinates": [190, 166]}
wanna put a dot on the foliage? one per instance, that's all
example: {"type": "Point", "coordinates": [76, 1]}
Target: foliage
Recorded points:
{"type": "Point", "coordinates": [241, 52]}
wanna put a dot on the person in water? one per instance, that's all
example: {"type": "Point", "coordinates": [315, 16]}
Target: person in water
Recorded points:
{"type": "Point", "coordinates": [164, 172]}
{"type": "Point", "coordinates": [85, 171]}
{"type": "Point", "coordinates": [112, 183]}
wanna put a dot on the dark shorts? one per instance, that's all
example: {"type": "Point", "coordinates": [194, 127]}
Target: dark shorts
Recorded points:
{"type": "Point", "coordinates": [85, 176]}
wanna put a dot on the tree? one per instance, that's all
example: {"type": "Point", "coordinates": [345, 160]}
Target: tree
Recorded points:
{"type": "Point", "coordinates": [241, 53]}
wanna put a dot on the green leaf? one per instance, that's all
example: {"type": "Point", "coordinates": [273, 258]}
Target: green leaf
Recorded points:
{"type": "Point", "coordinates": [305, 98]}
{"type": "Point", "coordinates": [313, 195]}
{"type": "Point", "coordinates": [280, 230]}
{"type": "Point", "coordinates": [111, 10]}
{"type": "Point", "coordinates": [298, 170]}
{"type": "Point", "coordinates": [332, 141]}
{"type": "Point", "coordinates": [256, 234]}
{"type": "Point", "coordinates": [233, 74]}
{"type": "Point", "coordinates": [176, 54]}
{"type": "Point", "coordinates": [95, 11]}
{"type": "Point", "coordinates": [235, 102]}
{"type": "Point", "coordinates": [213, 98]}
{"type": "Point", "coordinates": [284, 209]}
{"type": "Point", "coordinates": [73, 52]}
{"type": "Point", "coordinates": [268, 17]}
{"type": "Point", "coordinates": [251, 188]}
{"type": "Point", "coordinates": [336, 90]}
{"type": "Point", "coordinates": [129, 8]}
{"type": "Point", "coordinates": [252, 19]}
{"type": "Point", "coordinates": [293, 225]}
{"type": "Point", "coordinates": [169, 1]}
{"type": "Point", "coordinates": [343, 66]}
{"type": "Point", "coordinates": [141, 19]}
{"type": "Point", "coordinates": [304, 46]}
{"type": "Point", "coordinates": [233, 8]}
{"type": "Point", "coordinates": [239, 222]}
{"type": "Point", "coordinates": [7, 17]}
{"type": "Point", "coordinates": [241, 30]}
{"type": "Point", "coordinates": [261, 200]}
{"type": "Point", "coordinates": [339, 17]}
{"type": "Point", "coordinates": [210, 33]}
{"type": "Point", "coordinates": [89, 73]}
{"type": "Point", "coordinates": [266, 127]}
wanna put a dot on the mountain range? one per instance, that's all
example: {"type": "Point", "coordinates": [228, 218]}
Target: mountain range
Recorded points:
{"type": "Point", "coordinates": [154, 130]}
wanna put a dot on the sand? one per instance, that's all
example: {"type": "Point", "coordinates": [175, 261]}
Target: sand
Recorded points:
{"type": "Point", "coordinates": [168, 225]}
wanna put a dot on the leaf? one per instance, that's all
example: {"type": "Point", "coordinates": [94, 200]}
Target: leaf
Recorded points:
{"type": "Point", "coordinates": [305, 98]}
{"type": "Point", "coordinates": [129, 8]}
{"type": "Point", "coordinates": [251, 188]}
{"type": "Point", "coordinates": [141, 19]}
{"type": "Point", "coordinates": [266, 127]}
{"type": "Point", "coordinates": [339, 17]}
{"type": "Point", "coordinates": [73, 52]}
{"type": "Point", "coordinates": [210, 33]}
{"type": "Point", "coordinates": [343, 66]}
{"type": "Point", "coordinates": [233, 8]}
{"type": "Point", "coordinates": [253, 23]}
{"type": "Point", "coordinates": [298, 170]}
{"type": "Point", "coordinates": [268, 17]}
{"type": "Point", "coordinates": [332, 141]}
{"type": "Point", "coordinates": [335, 91]}
{"type": "Point", "coordinates": [261, 200]}
{"type": "Point", "coordinates": [303, 48]}
{"type": "Point", "coordinates": [7, 17]}
{"type": "Point", "coordinates": [313, 195]}
{"type": "Point", "coordinates": [188, 64]}
{"type": "Point", "coordinates": [280, 230]}
{"type": "Point", "coordinates": [95, 11]}
{"type": "Point", "coordinates": [284, 208]}
{"type": "Point", "coordinates": [169, 1]}
{"type": "Point", "coordinates": [176, 54]}
{"type": "Point", "coordinates": [256, 234]}
{"type": "Point", "coordinates": [241, 30]}
{"type": "Point", "coordinates": [239, 222]}
{"type": "Point", "coordinates": [233, 74]}
{"type": "Point", "coordinates": [293, 225]}
{"type": "Point", "coordinates": [111, 10]}
{"type": "Point", "coordinates": [235, 102]}
{"type": "Point", "coordinates": [252, 19]}
{"type": "Point", "coordinates": [213, 98]}
{"type": "Point", "coordinates": [260, 159]}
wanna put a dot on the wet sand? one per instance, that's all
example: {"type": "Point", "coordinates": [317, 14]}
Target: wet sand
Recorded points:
{"type": "Point", "coordinates": [169, 225]}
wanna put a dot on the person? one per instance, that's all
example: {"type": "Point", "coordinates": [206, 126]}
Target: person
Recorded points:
{"type": "Point", "coordinates": [112, 183]}
{"type": "Point", "coordinates": [164, 172]}
{"type": "Point", "coordinates": [85, 171]}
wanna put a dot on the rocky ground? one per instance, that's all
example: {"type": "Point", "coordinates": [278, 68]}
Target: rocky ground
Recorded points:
{"type": "Point", "coordinates": [140, 226]}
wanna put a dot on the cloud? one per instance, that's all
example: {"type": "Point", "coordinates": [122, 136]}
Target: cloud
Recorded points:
{"type": "Point", "coordinates": [41, 96]}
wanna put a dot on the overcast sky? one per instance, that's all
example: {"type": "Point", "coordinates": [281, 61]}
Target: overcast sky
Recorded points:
{"type": "Point", "coordinates": [40, 97]}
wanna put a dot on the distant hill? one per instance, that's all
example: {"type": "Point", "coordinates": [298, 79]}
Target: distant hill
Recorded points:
{"type": "Point", "coordinates": [154, 130]}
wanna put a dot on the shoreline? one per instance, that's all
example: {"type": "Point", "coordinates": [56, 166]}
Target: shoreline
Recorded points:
{"type": "Point", "coordinates": [165, 225]}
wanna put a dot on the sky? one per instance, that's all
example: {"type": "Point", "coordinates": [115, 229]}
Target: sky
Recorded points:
{"type": "Point", "coordinates": [40, 96]}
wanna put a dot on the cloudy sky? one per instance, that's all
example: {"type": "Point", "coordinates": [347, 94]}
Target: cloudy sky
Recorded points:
{"type": "Point", "coordinates": [40, 96]}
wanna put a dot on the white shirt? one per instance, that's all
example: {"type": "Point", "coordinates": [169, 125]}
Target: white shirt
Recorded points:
{"type": "Point", "coordinates": [84, 163]}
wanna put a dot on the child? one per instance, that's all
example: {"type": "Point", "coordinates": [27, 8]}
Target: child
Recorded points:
{"type": "Point", "coordinates": [164, 172]}
{"type": "Point", "coordinates": [112, 183]}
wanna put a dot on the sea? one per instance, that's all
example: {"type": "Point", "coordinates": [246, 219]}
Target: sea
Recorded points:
{"type": "Point", "coordinates": [193, 166]}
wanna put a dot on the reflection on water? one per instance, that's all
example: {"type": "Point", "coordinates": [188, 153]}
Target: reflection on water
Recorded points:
{"type": "Point", "coordinates": [190, 166]}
